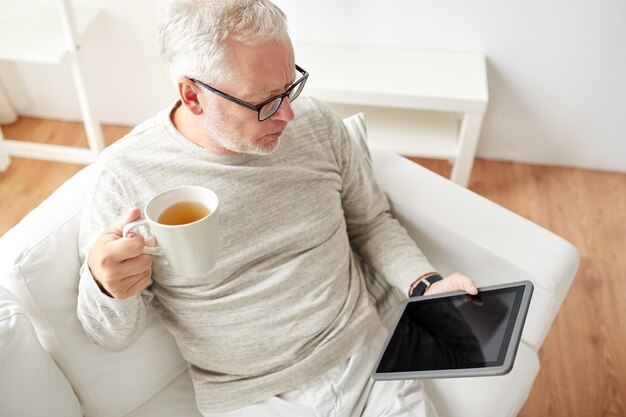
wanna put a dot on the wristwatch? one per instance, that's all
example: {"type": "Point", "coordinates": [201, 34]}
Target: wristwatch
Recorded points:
{"type": "Point", "coordinates": [423, 285]}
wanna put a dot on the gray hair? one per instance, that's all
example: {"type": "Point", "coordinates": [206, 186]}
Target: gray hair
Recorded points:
{"type": "Point", "coordinates": [193, 34]}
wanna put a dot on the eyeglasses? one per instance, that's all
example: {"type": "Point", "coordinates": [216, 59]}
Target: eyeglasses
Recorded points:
{"type": "Point", "coordinates": [266, 109]}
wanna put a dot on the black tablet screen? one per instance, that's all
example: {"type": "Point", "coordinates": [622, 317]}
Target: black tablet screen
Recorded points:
{"type": "Point", "coordinates": [460, 331]}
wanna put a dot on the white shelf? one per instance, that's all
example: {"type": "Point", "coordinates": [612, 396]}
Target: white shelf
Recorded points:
{"type": "Point", "coordinates": [69, 154]}
{"type": "Point", "coordinates": [395, 77]}
{"type": "Point", "coordinates": [44, 32]}
{"type": "Point", "coordinates": [37, 34]}
{"type": "Point", "coordinates": [402, 131]}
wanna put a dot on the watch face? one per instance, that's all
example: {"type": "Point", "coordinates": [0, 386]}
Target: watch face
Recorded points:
{"type": "Point", "coordinates": [419, 290]}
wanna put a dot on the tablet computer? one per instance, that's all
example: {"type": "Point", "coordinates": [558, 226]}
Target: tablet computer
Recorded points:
{"type": "Point", "coordinates": [456, 334]}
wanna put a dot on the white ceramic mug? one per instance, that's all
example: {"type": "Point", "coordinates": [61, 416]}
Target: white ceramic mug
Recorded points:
{"type": "Point", "coordinates": [191, 248]}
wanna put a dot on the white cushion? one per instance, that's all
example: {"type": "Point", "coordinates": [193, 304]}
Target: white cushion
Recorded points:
{"type": "Point", "coordinates": [30, 382]}
{"type": "Point", "coordinates": [357, 130]}
{"type": "Point", "coordinates": [40, 265]}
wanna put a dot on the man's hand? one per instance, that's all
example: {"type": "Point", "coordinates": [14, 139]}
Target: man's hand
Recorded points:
{"type": "Point", "coordinates": [118, 263]}
{"type": "Point", "coordinates": [454, 282]}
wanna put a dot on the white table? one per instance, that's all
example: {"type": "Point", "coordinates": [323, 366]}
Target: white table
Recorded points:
{"type": "Point", "coordinates": [416, 102]}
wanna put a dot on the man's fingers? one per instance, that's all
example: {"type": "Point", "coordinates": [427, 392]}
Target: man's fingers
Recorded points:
{"type": "Point", "coordinates": [117, 262]}
{"type": "Point", "coordinates": [122, 249]}
{"type": "Point", "coordinates": [151, 241]}
{"type": "Point", "coordinates": [454, 282]}
{"type": "Point", "coordinates": [139, 283]}
{"type": "Point", "coordinates": [469, 287]}
{"type": "Point", "coordinates": [130, 286]}
{"type": "Point", "coordinates": [118, 224]}
{"type": "Point", "coordinates": [465, 283]}
{"type": "Point", "coordinates": [136, 266]}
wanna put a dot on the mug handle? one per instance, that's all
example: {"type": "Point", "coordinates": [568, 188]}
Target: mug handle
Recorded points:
{"type": "Point", "coordinates": [149, 250]}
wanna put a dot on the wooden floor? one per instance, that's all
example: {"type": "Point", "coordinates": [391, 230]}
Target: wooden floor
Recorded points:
{"type": "Point", "coordinates": [583, 361]}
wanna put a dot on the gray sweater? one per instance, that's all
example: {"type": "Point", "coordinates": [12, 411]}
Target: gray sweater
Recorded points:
{"type": "Point", "coordinates": [286, 300]}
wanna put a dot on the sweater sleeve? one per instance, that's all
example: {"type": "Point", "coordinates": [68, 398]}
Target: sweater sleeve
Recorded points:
{"type": "Point", "coordinates": [377, 236]}
{"type": "Point", "coordinates": [112, 324]}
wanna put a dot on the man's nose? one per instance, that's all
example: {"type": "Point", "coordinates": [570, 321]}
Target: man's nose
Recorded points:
{"type": "Point", "coordinates": [284, 112]}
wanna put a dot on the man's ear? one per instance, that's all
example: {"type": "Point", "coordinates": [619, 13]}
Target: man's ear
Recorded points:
{"type": "Point", "coordinates": [189, 94]}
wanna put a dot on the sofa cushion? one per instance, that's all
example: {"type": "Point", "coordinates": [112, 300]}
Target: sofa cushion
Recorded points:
{"type": "Point", "coordinates": [357, 130]}
{"type": "Point", "coordinates": [502, 395]}
{"type": "Point", "coordinates": [177, 399]}
{"type": "Point", "coordinates": [30, 382]}
{"type": "Point", "coordinates": [40, 265]}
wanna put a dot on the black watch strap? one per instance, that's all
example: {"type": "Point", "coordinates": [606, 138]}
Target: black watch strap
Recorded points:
{"type": "Point", "coordinates": [421, 288]}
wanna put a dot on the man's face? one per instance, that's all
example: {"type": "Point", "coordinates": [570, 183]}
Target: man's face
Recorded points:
{"type": "Point", "coordinates": [257, 73]}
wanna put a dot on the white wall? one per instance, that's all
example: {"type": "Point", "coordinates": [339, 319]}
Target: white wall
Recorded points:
{"type": "Point", "coordinates": [557, 69]}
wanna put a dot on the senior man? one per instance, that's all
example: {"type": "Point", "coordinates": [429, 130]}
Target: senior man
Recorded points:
{"type": "Point", "coordinates": [283, 324]}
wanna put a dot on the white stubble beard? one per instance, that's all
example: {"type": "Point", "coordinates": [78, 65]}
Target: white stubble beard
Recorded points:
{"type": "Point", "coordinates": [211, 128]}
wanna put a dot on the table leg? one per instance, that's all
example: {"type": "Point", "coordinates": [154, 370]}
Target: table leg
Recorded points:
{"type": "Point", "coordinates": [5, 160]}
{"type": "Point", "coordinates": [468, 140]}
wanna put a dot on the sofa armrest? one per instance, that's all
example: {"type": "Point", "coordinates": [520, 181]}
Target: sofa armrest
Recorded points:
{"type": "Point", "coordinates": [459, 230]}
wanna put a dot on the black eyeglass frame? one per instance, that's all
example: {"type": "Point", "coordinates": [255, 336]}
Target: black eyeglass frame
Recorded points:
{"type": "Point", "coordinates": [258, 107]}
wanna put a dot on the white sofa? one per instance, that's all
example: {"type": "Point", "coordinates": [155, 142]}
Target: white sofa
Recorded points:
{"type": "Point", "coordinates": [50, 368]}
